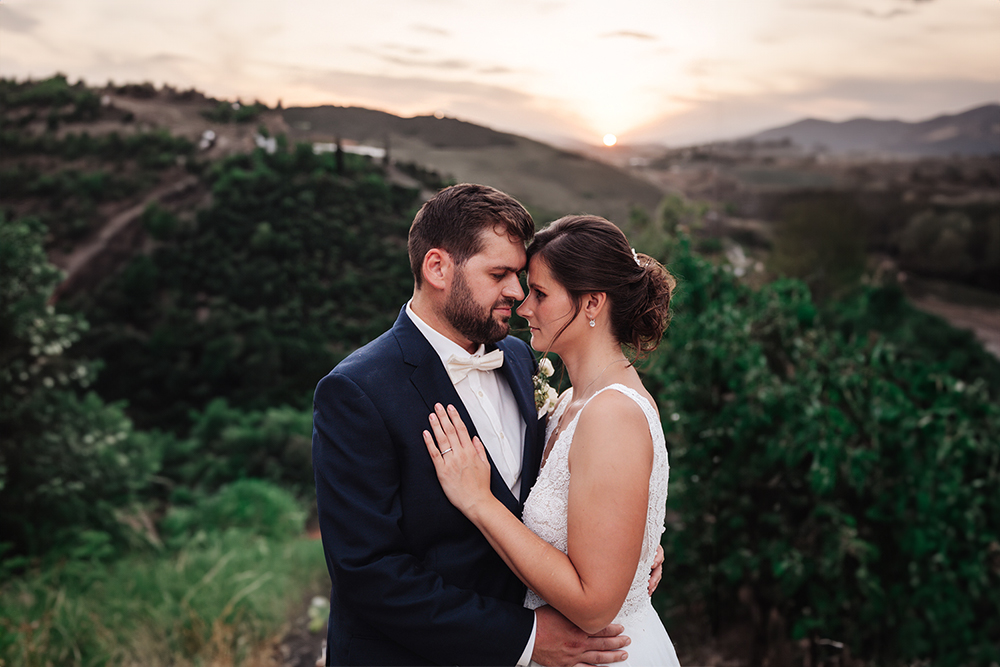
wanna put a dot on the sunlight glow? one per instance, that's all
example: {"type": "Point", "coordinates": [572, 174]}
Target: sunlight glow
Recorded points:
{"type": "Point", "coordinates": [610, 140]}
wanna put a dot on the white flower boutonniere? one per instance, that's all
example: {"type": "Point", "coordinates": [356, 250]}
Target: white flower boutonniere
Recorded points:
{"type": "Point", "coordinates": [545, 396]}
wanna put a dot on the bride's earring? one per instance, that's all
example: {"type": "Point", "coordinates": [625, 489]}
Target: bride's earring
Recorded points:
{"type": "Point", "coordinates": [593, 324]}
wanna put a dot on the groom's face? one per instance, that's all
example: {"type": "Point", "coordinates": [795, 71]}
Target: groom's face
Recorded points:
{"type": "Point", "coordinates": [485, 289]}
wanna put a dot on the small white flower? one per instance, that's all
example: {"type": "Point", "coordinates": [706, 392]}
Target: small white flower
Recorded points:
{"type": "Point", "coordinates": [545, 396]}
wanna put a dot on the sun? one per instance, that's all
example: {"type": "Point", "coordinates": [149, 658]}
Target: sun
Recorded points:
{"type": "Point", "coordinates": [610, 140]}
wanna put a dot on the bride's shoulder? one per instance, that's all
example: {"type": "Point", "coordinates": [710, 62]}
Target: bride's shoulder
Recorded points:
{"type": "Point", "coordinates": [616, 412]}
{"type": "Point", "coordinates": [613, 430]}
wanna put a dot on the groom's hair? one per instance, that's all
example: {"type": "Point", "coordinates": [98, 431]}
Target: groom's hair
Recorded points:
{"type": "Point", "coordinates": [455, 218]}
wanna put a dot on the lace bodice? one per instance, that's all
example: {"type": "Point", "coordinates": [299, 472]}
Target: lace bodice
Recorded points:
{"type": "Point", "coordinates": [545, 511]}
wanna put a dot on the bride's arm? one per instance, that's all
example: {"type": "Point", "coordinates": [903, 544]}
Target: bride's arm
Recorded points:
{"type": "Point", "coordinates": [611, 460]}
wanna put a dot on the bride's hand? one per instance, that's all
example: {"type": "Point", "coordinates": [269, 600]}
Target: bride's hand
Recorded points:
{"type": "Point", "coordinates": [460, 461]}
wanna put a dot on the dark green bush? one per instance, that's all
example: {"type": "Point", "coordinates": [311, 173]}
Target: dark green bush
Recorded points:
{"type": "Point", "coordinates": [251, 505]}
{"type": "Point", "coordinates": [830, 469]}
{"type": "Point", "coordinates": [226, 444]}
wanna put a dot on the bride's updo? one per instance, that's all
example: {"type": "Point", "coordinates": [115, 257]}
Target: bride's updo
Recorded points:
{"type": "Point", "coordinates": [587, 253]}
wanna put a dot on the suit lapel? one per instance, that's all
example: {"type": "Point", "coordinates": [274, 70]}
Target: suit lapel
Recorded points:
{"type": "Point", "coordinates": [431, 381]}
{"type": "Point", "coordinates": [518, 375]}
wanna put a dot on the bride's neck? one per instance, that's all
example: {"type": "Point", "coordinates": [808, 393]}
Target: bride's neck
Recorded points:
{"type": "Point", "coordinates": [588, 366]}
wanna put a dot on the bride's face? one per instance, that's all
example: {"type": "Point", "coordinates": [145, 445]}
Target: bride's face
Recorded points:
{"type": "Point", "coordinates": [548, 307]}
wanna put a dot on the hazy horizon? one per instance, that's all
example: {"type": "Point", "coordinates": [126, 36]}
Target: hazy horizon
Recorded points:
{"type": "Point", "coordinates": [646, 71]}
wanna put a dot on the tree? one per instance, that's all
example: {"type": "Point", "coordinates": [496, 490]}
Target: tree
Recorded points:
{"type": "Point", "coordinates": [67, 460]}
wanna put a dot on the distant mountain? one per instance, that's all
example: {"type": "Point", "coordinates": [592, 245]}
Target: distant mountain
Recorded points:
{"type": "Point", "coordinates": [550, 181]}
{"type": "Point", "coordinates": [973, 132]}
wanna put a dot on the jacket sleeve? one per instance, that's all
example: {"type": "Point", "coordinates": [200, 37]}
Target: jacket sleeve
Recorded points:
{"type": "Point", "coordinates": [358, 496]}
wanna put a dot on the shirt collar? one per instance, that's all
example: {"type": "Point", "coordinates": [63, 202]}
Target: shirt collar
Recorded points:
{"type": "Point", "coordinates": [443, 346]}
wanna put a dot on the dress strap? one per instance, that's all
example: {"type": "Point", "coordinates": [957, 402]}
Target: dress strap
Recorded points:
{"type": "Point", "coordinates": [647, 408]}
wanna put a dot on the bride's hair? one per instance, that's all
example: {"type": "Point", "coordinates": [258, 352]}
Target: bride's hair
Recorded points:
{"type": "Point", "coordinates": [586, 254]}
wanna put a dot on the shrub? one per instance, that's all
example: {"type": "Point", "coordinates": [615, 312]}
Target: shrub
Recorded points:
{"type": "Point", "coordinates": [250, 505]}
{"type": "Point", "coordinates": [834, 475]}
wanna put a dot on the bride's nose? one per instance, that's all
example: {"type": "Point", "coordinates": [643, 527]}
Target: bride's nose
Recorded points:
{"type": "Point", "coordinates": [523, 310]}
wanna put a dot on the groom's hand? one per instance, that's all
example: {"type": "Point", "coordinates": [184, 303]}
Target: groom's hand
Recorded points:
{"type": "Point", "coordinates": [559, 643]}
{"type": "Point", "coordinates": [656, 573]}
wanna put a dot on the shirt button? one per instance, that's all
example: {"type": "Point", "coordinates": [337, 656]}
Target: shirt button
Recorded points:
{"type": "Point", "coordinates": [480, 394]}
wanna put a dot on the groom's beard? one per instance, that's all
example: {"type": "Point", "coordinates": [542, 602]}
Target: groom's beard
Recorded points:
{"type": "Point", "coordinates": [472, 321]}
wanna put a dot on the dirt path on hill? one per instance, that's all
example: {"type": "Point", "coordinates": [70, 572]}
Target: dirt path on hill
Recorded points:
{"type": "Point", "coordinates": [118, 236]}
{"type": "Point", "coordinates": [983, 322]}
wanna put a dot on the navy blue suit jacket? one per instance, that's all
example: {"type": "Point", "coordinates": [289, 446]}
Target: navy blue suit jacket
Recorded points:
{"type": "Point", "coordinates": [414, 582]}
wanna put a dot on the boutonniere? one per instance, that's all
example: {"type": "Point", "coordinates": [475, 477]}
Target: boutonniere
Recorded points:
{"type": "Point", "coordinates": [545, 396]}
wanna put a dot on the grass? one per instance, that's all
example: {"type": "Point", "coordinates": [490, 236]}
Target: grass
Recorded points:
{"type": "Point", "coordinates": [222, 600]}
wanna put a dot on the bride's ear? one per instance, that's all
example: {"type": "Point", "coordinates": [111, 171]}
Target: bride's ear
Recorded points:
{"type": "Point", "coordinates": [594, 304]}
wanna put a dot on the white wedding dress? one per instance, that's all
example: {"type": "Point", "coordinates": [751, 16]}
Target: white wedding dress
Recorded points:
{"type": "Point", "coordinates": [545, 513]}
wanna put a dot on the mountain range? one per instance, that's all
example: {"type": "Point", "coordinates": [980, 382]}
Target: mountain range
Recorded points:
{"type": "Point", "coordinates": [972, 132]}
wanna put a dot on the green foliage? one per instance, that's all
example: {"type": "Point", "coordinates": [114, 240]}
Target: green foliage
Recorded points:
{"type": "Point", "coordinates": [67, 460]}
{"type": "Point", "coordinates": [292, 266]}
{"type": "Point", "coordinates": [832, 465]}
{"type": "Point", "coordinates": [52, 92]}
{"type": "Point", "coordinates": [249, 504]}
{"type": "Point", "coordinates": [220, 600]}
{"type": "Point", "coordinates": [65, 181]}
{"type": "Point", "coordinates": [226, 444]}
{"type": "Point", "coordinates": [234, 112]}
{"type": "Point", "coordinates": [151, 150]}
{"type": "Point", "coordinates": [65, 102]}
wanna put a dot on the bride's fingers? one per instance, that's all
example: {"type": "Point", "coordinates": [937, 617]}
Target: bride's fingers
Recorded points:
{"type": "Point", "coordinates": [460, 429]}
{"type": "Point", "coordinates": [443, 442]}
{"type": "Point", "coordinates": [480, 449]}
{"type": "Point", "coordinates": [433, 450]}
{"type": "Point", "coordinates": [447, 424]}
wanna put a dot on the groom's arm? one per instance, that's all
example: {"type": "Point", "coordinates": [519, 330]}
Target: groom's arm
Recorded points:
{"type": "Point", "coordinates": [388, 588]}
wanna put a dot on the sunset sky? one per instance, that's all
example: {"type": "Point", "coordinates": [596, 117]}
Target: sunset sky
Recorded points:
{"type": "Point", "coordinates": [652, 70]}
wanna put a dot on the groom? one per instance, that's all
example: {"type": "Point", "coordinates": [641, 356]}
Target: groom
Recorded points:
{"type": "Point", "coordinates": [414, 582]}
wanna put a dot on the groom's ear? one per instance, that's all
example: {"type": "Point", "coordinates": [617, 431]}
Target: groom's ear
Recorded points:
{"type": "Point", "coordinates": [437, 268]}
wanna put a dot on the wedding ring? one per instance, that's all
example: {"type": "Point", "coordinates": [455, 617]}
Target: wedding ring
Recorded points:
{"type": "Point", "coordinates": [446, 451]}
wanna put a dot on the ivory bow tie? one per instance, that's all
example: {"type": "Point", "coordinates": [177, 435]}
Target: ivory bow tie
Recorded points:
{"type": "Point", "coordinates": [459, 368]}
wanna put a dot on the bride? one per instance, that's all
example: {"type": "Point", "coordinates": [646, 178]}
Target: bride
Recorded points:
{"type": "Point", "coordinates": [593, 519]}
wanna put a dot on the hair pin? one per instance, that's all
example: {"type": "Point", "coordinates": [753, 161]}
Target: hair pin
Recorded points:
{"type": "Point", "coordinates": [635, 256]}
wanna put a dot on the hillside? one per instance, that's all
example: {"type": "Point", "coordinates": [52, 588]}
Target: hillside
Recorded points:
{"type": "Point", "coordinates": [973, 132]}
{"type": "Point", "coordinates": [551, 182]}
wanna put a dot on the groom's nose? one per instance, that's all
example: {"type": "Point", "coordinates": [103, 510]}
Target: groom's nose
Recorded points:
{"type": "Point", "coordinates": [512, 288]}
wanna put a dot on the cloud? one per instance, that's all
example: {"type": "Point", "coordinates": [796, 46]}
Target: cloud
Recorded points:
{"type": "Point", "coordinates": [405, 48]}
{"type": "Point", "coordinates": [858, 11]}
{"type": "Point", "coordinates": [630, 34]}
{"type": "Point", "coordinates": [891, 14]}
{"type": "Point", "coordinates": [496, 69]}
{"type": "Point", "coordinates": [14, 21]}
{"type": "Point", "coordinates": [431, 30]}
{"type": "Point", "coordinates": [494, 106]}
{"type": "Point", "coordinates": [728, 117]}
{"type": "Point", "coordinates": [445, 64]}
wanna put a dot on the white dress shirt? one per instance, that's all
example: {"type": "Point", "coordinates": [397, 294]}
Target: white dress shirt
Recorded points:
{"type": "Point", "coordinates": [495, 414]}
{"type": "Point", "coordinates": [490, 403]}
